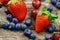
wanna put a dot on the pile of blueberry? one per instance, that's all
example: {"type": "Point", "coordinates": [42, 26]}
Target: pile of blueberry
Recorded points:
{"type": "Point", "coordinates": [56, 3]}
{"type": "Point", "coordinates": [15, 25]}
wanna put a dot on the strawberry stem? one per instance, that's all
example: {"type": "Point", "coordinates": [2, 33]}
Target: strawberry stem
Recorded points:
{"type": "Point", "coordinates": [44, 8]}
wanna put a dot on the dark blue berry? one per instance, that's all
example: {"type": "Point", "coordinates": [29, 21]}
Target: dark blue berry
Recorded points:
{"type": "Point", "coordinates": [27, 32]}
{"type": "Point", "coordinates": [6, 11]}
{"type": "Point", "coordinates": [5, 25]}
{"type": "Point", "coordinates": [48, 37]}
{"type": "Point", "coordinates": [0, 5]}
{"type": "Point", "coordinates": [54, 2]}
{"type": "Point", "coordinates": [58, 5]}
{"type": "Point", "coordinates": [32, 36]}
{"type": "Point", "coordinates": [18, 26]}
{"type": "Point", "coordinates": [24, 27]}
{"type": "Point", "coordinates": [51, 28]}
{"type": "Point", "coordinates": [50, 8]}
{"type": "Point", "coordinates": [15, 20]}
{"type": "Point", "coordinates": [9, 17]}
{"type": "Point", "coordinates": [28, 22]}
{"type": "Point", "coordinates": [12, 26]}
{"type": "Point", "coordinates": [30, 39]}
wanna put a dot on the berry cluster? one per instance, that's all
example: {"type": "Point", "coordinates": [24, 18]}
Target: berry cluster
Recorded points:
{"type": "Point", "coordinates": [51, 27]}
{"type": "Point", "coordinates": [15, 25]}
{"type": "Point", "coordinates": [36, 4]}
{"type": "Point", "coordinates": [56, 3]}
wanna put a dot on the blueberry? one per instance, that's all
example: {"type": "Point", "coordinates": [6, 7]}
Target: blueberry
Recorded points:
{"type": "Point", "coordinates": [6, 11]}
{"type": "Point", "coordinates": [51, 28]}
{"type": "Point", "coordinates": [9, 17]}
{"type": "Point", "coordinates": [50, 8]}
{"type": "Point", "coordinates": [48, 37]}
{"type": "Point", "coordinates": [54, 1]}
{"type": "Point", "coordinates": [32, 36]}
{"type": "Point", "coordinates": [28, 22]}
{"type": "Point", "coordinates": [27, 32]}
{"type": "Point", "coordinates": [12, 26]}
{"type": "Point", "coordinates": [18, 26]}
{"type": "Point", "coordinates": [30, 39]}
{"type": "Point", "coordinates": [58, 5]}
{"type": "Point", "coordinates": [0, 5]}
{"type": "Point", "coordinates": [5, 25]}
{"type": "Point", "coordinates": [14, 20]}
{"type": "Point", "coordinates": [24, 27]}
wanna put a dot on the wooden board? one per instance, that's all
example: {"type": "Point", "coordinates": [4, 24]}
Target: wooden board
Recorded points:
{"type": "Point", "coordinates": [18, 35]}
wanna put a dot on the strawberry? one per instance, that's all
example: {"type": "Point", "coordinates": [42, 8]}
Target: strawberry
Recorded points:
{"type": "Point", "coordinates": [18, 9]}
{"type": "Point", "coordinates": [56, 36]}
{"type": "Point", "coordinates": [4, 1]}
{"type": "Point", "coordinates": [44, 19]}
{"type": "Point", "coordinates": [41, 22]}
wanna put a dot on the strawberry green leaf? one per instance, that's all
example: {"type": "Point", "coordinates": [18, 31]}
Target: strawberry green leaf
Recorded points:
{"type": "Point", "coordinates": [47, 13]}
{"type": "Point", "coordinates": [52, 16]}
{"type": "Point", "coordinates": [44, 8]}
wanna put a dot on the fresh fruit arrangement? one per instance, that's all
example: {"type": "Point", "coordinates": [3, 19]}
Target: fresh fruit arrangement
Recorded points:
{"type": "Point", "coordinates": [16, 12]}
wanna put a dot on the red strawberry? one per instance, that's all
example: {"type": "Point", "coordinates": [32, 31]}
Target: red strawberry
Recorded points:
{"type": "Point", "coordinates": [18, 9]}
{"type": "Point", "coordinates": [42, 22]}
{"type": "Point", "coordinates": [43, 19]}
{"type": "Point", "coordinates": [4, 1]}
{"type": "Point", "coordinates": [56, 36]}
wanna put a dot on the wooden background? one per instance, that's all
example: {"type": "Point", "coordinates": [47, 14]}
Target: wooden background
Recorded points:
{"type": "Point", "coordinates": [18, 35]}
